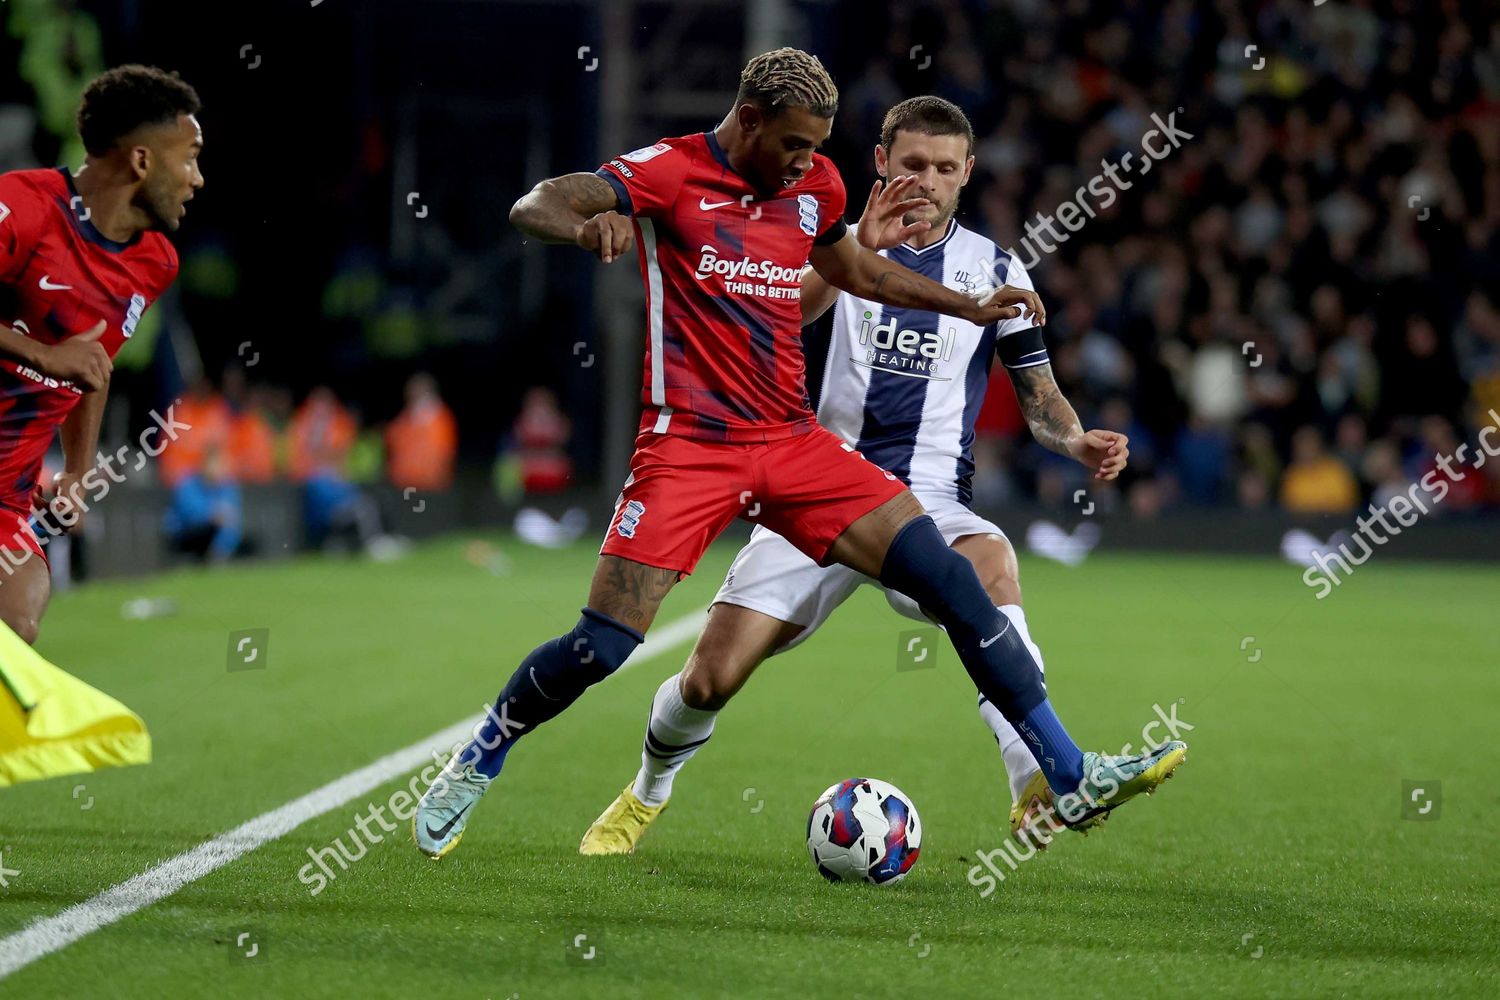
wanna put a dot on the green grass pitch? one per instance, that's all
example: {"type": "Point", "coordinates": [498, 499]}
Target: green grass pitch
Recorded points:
{"type": "Point", "coordinates": [1277, 863]}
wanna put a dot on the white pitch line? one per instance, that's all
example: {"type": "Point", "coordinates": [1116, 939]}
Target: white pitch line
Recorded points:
{"type": "Point", "coordinates": [49, 934]}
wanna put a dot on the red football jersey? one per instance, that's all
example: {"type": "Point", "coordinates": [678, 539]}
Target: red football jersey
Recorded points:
{"type": "Point", "coordinates": [723, 271]}
{"type": "Point", "coordinates": [59, 276]}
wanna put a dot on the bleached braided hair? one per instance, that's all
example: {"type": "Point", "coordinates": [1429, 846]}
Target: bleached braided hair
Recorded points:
{"type": "Point", "coordinates": [788, 78]}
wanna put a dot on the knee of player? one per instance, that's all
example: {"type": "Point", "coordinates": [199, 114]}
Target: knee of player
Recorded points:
{"type": "Point", "coordinates": [703, 691]}
{"type": "Point", "coordinates": [994, 563]}
{"type": "Point", "coordinates": [1002, 583]}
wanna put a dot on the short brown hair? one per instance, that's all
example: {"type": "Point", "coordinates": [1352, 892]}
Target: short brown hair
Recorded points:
{"type": "Point", "coordinates": [929, 116]}
{"type": "Point", "coordinates": [121, 100]}
{"type": "Point", "coordinates": [788, 78]}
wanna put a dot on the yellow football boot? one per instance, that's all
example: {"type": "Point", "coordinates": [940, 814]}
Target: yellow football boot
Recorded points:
{"type": "Point", "coordinates": [618, 829]}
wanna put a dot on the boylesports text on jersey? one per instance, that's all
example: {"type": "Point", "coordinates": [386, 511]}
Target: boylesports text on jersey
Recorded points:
{"type": "Point", "coordinates": [761, 278]}
{"type": "Point", "coordinates": [918, 353]}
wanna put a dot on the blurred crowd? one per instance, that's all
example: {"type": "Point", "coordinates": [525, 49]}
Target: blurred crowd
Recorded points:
{"type": "Point", "coordinates": [1298, 306]}
{"type": "Point", "coordinates": [243, 434]}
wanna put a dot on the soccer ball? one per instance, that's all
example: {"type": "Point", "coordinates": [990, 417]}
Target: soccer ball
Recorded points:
{"type": "Point", "coordinates": [864, 830]}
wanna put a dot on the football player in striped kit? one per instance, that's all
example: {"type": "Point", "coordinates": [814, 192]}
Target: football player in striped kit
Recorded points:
{"type": "Point", "coordinates": [904, 387]}
{"type": "Point", "coordinates": [724, 222]}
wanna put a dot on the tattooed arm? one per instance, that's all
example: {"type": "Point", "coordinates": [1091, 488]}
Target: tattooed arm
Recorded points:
{"type": "Point", "coordinates": [863, 272]}
{"type": "Point", "coordinates": [1055, 425]}
{"type": "Point", "coordinates": [575, 208]}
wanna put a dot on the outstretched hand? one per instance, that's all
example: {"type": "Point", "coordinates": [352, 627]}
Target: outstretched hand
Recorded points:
{"type": "Point", "coordinates": [881, 226]}
{"type": "Point", "coordinates": [1008, 302]}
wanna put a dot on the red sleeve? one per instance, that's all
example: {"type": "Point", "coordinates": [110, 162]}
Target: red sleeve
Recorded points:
{"type": "Point", "coordinates": [831, 204]}
{"type": "Point", "coordinates": [22, 218]}
{"type": "Point", "coordinates": [647, 180]}
{"type": "Point", "coordinates": [169, 267]}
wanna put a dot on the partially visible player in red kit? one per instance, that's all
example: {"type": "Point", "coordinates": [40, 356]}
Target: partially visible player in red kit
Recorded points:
{"type": "Point", "coordinates": [724, 221]}
{"type": "Point", "coordinates": [82, 256]}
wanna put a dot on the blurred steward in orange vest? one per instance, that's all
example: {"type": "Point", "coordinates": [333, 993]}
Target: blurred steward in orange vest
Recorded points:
{"type": "Point", "coordinates": [208, 418]}
{"type": "Point", "coordinates": [321, 435]}
{"type": "Point", "coordinates": [421, 442]}
{"type": "Point", "coordinates": [251, 447]}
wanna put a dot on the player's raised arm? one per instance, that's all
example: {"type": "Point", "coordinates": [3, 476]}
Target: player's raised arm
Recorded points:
{"type": "Point", "coordinates": [881, 227]}
{"type": "Point", "coordinates": [865, 273]}
{"type": "Point", "coordinates": [575, 208]}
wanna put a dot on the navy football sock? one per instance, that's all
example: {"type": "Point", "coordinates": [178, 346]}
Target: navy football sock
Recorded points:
{"type": "Point", "coordinates": [920, 565]}
{"type": "Point", "coordinates": [549, 680]}
{"type": "Point", "coordinates": [1055, 752]}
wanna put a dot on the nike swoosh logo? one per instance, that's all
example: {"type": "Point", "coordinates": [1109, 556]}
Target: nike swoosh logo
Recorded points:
{"type": "Point", "coordinates": [708, 206]}
{"type": "Point", "coordinates": [442, 831]}
{"type": "Point", "coordinates": [47, 285]}
{"type": "Point", "coordinates": [987, 643]}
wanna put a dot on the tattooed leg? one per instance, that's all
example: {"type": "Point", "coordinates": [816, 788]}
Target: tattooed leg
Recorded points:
{"type": "Point", "coordinates": [630, 592]}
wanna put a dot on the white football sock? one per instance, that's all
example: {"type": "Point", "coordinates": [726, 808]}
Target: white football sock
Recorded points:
{"type": "Point", "coordinates": [1018, 618]}
{"type": "Point", "coordinates": [673, 735]}
{"type": "Point", "coordinates": [1019, 764]}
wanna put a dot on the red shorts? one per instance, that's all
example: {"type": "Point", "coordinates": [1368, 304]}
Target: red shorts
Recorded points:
{"type": "Point", "coordinates": [683, 492]}
{"type": "Point", "coordinates": [16, 534]}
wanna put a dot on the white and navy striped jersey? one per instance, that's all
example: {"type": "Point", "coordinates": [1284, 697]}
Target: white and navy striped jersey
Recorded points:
{"type": "Point", "coordinates": [905, 386]}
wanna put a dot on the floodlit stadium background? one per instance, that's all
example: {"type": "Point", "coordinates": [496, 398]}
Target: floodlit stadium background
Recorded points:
{"type": "Point", "coordinates": [1293, 313]}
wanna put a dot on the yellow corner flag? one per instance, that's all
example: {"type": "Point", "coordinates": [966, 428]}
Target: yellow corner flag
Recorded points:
{"type": "Point", "coordinates": [52, 723]}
